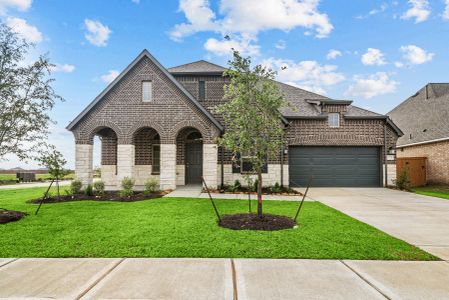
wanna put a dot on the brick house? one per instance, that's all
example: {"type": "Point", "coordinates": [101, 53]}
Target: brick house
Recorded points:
{"type": "Point", "coordinates": [424, 119]}
{"type": "Point", "coordinates": [158, 122]}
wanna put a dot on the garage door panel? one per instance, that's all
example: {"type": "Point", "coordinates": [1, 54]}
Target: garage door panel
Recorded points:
{"type": "Point", "coordinates": [334, 166]}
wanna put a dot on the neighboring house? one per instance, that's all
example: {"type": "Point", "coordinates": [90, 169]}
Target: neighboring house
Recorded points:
{"type": "Point", "coordinates": [424, 119]}
{"type": "Point", "coordinates": [160, 122]}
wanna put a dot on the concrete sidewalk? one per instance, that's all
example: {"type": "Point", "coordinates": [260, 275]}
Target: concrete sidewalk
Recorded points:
{"type": "Point", "coordinates": [184, 278]}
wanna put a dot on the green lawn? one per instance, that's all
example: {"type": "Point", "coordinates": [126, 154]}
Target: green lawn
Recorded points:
{"type": "Point", "coordinates": [435, 191]}
{"type": "Point", "coordinates": [187, 228]}
{"type": "Point", "coordinates": [11, 178]}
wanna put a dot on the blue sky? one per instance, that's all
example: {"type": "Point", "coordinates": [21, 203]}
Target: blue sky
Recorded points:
{"type": "Point", "coordinates": [376, 53]}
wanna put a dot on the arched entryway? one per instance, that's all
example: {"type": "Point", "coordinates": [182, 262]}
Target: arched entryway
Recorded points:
{"type": "Point", "coordinates": [189, 144]}
{"type": "Point", "coordinates": [147, 155]}
{"type": "Point", "coordinates": [107, 152]}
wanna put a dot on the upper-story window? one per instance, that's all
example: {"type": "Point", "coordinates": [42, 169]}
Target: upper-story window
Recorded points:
{"type": "Point", "coordinates": [201, 90]}
{"type": "Point", "coordinates": [334, 120]}
{"type": "Point", "coordinates": [147, 91]}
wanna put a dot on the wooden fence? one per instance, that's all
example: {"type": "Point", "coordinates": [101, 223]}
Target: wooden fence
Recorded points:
{"type": "Point", "coordinates": [415, 168]}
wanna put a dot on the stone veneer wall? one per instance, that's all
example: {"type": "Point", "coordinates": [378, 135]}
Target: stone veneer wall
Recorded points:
{"type": "Point", "coordinates": [270, 178]}
{"type": "Point", "coordinates": [437, 159]}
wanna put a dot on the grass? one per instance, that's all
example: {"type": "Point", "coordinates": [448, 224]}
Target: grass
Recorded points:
{"type": "Point", "coordinates": [435, 191]}
{"type": "Point", "coordinates": [12, 177]}
{"type": "Point", "coordinates": [176, 227]}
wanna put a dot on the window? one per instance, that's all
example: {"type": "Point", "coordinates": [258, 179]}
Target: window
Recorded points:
{"type": "Point", "coordinates": [201, 90]}
{"type": "Point", "coordinates": [243, 165]}
{"type": "Point", "coordinates": [147, 93]}
{"type": "Point", "coordinates": [156, 168]}
{"type": "Point", "coordinates": [334, 120]}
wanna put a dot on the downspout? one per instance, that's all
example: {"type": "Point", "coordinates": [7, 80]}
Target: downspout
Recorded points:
{"type": "Point", "coordinates": [222, 167]}
{"type": "Point", "coordinates": [282, 166]}
{"type": "Point", "coordinates": [385, 154]}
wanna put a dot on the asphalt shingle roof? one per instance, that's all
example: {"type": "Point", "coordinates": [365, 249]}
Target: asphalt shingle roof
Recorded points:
{"type": "Point", "coordinates": [424, 116]}
{"type": "Point", "coordinates": [200, 66]}
{"type": "Point", "coordinates": [298, 106]}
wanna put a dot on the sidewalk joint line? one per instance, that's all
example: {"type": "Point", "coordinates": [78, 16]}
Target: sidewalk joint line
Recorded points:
{"type": "Point", "coordinates": [234, 279]}
{"type": "Point", "coordinates": [366, 280]}
{"type": "Point", "coordinates": [8, 262]}
{"type": "Point", "coordinates": [90, 287]}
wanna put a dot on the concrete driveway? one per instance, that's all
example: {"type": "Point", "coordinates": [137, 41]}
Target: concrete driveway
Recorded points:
{"type": "Point", "coordinates": [419, 220]}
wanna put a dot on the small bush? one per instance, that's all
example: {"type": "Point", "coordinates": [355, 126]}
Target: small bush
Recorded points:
{"type": "Point", "coordinates": [127, 187]}
{"type": "Point", "coordinates": [253, 187]}
{"type": "Point", "coordinates": [403, 182]}
{"type": "Point", "coordinates": [237, 186]}
{"type": "Point", "coordinates": [99, 187]}
{"type": "Point", "coordinates": [75, 187]}
{"type": "Point", "coordinates": [89, 191]}
{"type": "Point", "coordinates": [151, 186]}
{"type": "Point", "coordinates": [276, 188]}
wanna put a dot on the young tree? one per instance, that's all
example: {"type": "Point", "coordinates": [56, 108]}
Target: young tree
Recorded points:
{"type": "Point", "coordinates": [26, 96]}
{"type": "Point", "coordinates": [54, 161]}
{"type": "Point", "coordinates": [251, 116]}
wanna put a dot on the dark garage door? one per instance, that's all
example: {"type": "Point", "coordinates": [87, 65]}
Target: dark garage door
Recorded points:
{"type": "Point", "coordinates": [334, 166]}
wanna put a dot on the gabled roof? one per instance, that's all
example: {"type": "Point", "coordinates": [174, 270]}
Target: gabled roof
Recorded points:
{"type": "Point", "coordinates": [147, 54]}
{"type": "Point", "coordinates": [424, 117]}
{"type": "Point", "coordinates": [197, 67]}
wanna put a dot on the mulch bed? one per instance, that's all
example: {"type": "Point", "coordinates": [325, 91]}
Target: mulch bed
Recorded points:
{"type": "Point", "coordinates": [253, 222]}
{"type": "Point", "coordinates": [218, 191]}
{"type": "Point", "coordinates": [107, 196]}
{"type": "Point", "coordinates": [7, 216]}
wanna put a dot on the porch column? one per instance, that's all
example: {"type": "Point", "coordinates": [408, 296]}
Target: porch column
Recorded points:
{"type": "Point", "coordinates": [84, 163]}
{"type": "Point", "coordinates": [125, 162]}
{"type": "Point", "coordinates": [168, 167]}
{"type": "Point", "coordinates": [210, 165]}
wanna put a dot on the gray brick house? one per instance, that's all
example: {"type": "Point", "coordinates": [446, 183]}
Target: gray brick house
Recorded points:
{"type": "Point", "coordinates": [424, 118]}
{"type": "Point", "coordinates": [158, 122]}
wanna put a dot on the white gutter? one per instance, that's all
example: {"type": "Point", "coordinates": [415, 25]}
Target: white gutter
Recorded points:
{"type": "Point", "coordinates": [425, 142]}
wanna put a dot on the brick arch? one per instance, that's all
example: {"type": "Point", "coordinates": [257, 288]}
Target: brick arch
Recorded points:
{"type": "Point", "coordinates": [94, 127]}
{"type": "Point", "coordinates": [183, 124]}
{"type": "Point", "coordinates": [146, 124]}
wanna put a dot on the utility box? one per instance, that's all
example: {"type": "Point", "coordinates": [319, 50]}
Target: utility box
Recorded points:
{"type": "Point", "coordinates": [415, 168]}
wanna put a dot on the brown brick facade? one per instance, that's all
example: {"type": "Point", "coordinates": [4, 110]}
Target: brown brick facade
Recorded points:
{"type": "Point", "coordinates": [123, 111]}
{"type": "Point", "coordinates": [437, 159]}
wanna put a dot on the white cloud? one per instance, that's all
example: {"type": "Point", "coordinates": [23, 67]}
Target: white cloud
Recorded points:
{"type": "Point", "coordinates": [28, 32]}
{"type": "Point", "coordinates": [415, 55]}
{"type": "Point", "coordinates": [22, 5]}
{"type": "Point", "coordinates": [224, 47]}
{"type": "Point", "coordinates": [446, 10]}
{"type": "Point", "coordinates": [251, 17]}
{"type": "Point", "coordinates": [399, 64]}
{"type": "Point", "coordinates": [306, 74]}
{"type": "Point", "coordinates": [281, 44]}
{"type": "Point", "coordinates": [419, 10]}
{"type": "Point", "coordinates": [333, 54]}
{"type": "Point", "coordinates": [373, 57]}
{"type": "Point", "coordinates": [98, 34]}
{"type": "Point", "coordinates": [371, 86]}
{"type": "Point", "coordinates": [65, 68]}
{"type": "Point", "coordinates": [110, 76]}
{"type": "Point", "coordinates": [383, 7]}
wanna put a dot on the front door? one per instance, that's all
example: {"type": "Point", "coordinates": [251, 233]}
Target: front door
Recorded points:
{"type": "Point", "coordinates": [194, 163]}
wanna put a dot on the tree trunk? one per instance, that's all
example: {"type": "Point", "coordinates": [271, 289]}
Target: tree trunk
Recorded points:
{"type": "Point", "coordinates": [259, 194]}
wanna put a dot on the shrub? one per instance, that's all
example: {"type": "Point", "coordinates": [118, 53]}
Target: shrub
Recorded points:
{"type": "Point", "coordinates": [99, 187]}
{"type": "Point", "coordinates": [237, 186]}
{"type": "Point", "coordinates": [127, 187]}
{"type": "Point", "coordinates": [89, 191]}
{"type": "Point", "coordinates": [276, 188]}
{"type": "Point", "coordinates": [75, 187]}
{"type": "Point", "coordinates": [253, 187]}
{"type": "Point", "coordinates": [403, 182]}
{"type": "Point", "coordinates": [151, 186]}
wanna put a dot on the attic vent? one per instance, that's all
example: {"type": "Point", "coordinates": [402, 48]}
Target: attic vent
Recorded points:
{"type": "Point", "coordinates": [425, 130]}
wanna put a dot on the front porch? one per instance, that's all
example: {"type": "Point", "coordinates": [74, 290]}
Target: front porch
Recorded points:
{"type": "Point", "coordinates": [182, 159]}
